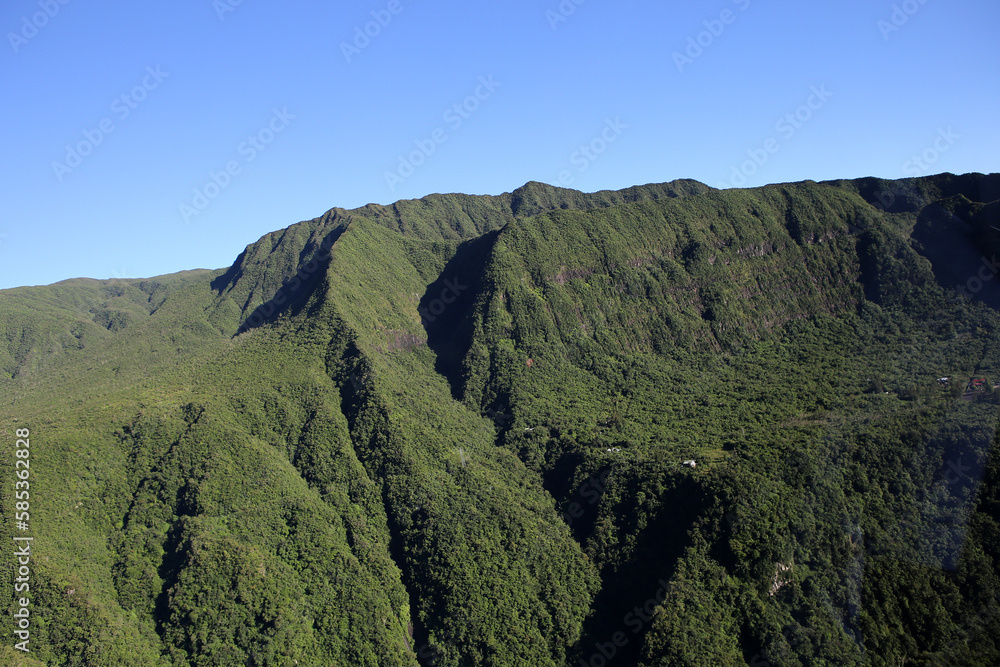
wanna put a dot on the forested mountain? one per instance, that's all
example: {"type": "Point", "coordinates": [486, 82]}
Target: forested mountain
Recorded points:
{"type": "Point", "coordinates": [668, 425]}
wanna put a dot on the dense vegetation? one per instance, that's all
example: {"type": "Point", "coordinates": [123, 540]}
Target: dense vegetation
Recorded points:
{"type": "Point", "coordinates": [452, 431]}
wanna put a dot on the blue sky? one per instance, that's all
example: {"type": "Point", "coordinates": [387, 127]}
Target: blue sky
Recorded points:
{"type": "Point", "coordinates": [144, 138]}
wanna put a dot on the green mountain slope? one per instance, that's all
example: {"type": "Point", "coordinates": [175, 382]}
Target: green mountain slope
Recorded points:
{"type": "Point", "coordinates": [451, 431]}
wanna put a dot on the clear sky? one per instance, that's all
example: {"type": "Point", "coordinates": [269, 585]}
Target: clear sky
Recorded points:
{"type": "Point", "coordinates": [142, 138]}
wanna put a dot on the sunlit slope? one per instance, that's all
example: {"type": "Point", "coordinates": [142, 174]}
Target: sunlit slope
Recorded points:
{"type": "Point", "coordinates": [214, 516]}
{"type": "Point", "coordinates": [469, 516]}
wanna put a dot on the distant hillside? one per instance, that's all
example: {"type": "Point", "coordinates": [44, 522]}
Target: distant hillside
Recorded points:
{"type": "Point", "coordinates": [668, 425]}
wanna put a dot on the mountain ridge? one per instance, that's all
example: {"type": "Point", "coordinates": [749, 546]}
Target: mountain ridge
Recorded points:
{"type": "Point", "coordinates": [442, 432]}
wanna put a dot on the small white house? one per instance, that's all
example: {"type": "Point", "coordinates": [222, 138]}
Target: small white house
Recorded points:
{"type": "Point", "coordinates": [690, 463]}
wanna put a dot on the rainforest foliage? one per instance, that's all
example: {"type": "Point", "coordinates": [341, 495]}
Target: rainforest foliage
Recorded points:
{"type": "Point", "coordinates": [459, 431]}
